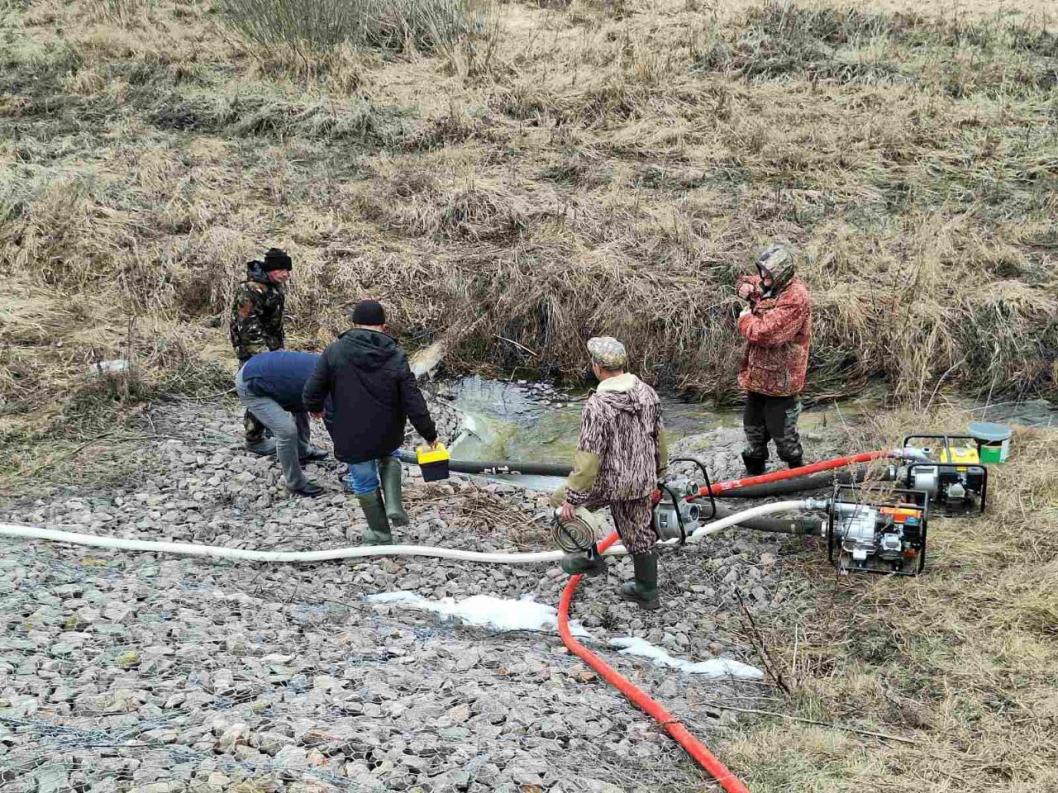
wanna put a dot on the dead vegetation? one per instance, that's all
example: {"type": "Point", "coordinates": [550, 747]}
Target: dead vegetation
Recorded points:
{"type": "Point", "coordinates": [582, 168]}
{"type": "Point", "coordinates": [562, 171]}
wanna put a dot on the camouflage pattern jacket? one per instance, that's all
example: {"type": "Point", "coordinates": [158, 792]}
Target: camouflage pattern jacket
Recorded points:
{"type": "Point", "coordinates": [621, 451]}
{"type": "Point", "coordinates": [778, 331]}
{"type": "Point", "coordinates": [256, 314]}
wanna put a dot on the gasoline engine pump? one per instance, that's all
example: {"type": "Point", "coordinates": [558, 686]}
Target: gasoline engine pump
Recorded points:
{"type": "Point", "coordinates": [953, 476]}
{"type": "Point", "coordinates": [876, 529]}
{"type": "Point", "coordinates": [675, 515]}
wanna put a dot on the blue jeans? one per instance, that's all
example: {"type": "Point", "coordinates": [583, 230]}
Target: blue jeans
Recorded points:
{"type": "Point", "coordinates": [363, 477]}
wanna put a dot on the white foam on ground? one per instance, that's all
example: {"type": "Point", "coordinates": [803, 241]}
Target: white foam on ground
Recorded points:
{"type": "Point", "coordinates": [714, 667]}
{"type": "Point", "coordinates": [485, 611]}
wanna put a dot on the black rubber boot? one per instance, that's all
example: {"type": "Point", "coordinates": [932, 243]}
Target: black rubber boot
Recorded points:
{"type": "Point", "coordinates": [313, 455]}
{"type": "Point", "coordinates": [590, 563]}
{"type": "Point", "coordinates": [265, 448]}
{"type": "Point", "coordinates": [389, 473]}
{"type": "Point", "coordinates": [754, 465]}
{"type": "Point", "coordinates": [309, 490]}
{"type": "Point", "coordinates": [377, 531]}
{"type": "Point", "coordinates": [644, 589]}
{"type": "Point", "coordinates": [796, 462]}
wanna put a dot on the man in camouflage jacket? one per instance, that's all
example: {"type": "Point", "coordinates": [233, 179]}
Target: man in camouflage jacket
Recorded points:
{"type": "Point", "coordinates": [257, 325]}
{"type": "Point", "coordinates": [777, 327]}
{"type": "Point", "coordinates": [621, 454]}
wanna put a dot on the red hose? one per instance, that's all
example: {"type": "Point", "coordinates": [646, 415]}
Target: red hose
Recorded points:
{"type": "Point", "coordinates": [695, 748]}
{"type": "Point", "coordinates": [789, 473]}
{"type": "Point", "coordinates": [698, 751]}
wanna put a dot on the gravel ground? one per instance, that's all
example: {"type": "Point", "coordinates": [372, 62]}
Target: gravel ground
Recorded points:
{"type": "Point", "coordinates": [138, 672]}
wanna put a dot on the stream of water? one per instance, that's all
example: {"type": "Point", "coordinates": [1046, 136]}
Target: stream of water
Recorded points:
{"type": "Point", "coordinates": [514, 421]}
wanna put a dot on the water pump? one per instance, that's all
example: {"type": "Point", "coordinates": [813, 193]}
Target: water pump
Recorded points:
{"type": "Point", "coordinates": [953, 477]}
{"type": "Point", "coordinates": [877, 530]}
{"type": "Point", "coordinates": [675, 516]}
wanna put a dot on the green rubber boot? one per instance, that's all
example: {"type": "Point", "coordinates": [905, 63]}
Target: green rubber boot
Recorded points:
{"type": "Point", "coordinates": [589, 564]}
{"type": "Point", "coordinates": [377, 531]}
{"type": "Point", "coordinates": [644, 589]}
{"type": "Point", "coordinates": [389, 473]}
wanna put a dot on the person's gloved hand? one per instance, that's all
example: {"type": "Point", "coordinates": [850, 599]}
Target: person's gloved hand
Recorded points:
{"type": "Point", "coordinates": [655, 495]}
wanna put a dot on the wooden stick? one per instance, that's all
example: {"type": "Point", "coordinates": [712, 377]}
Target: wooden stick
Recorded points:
{"type": "Point", "coordinates": [516, 344]}
{"type": "Point", "coordinates": [66, 455]}
{"type": "Point", "coordinates": [806, 721]}
{"type": "Point", "coordinates": [758, 640]}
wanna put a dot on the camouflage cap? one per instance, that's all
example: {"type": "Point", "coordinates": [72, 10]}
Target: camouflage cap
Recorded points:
{"type": "Point", "coordinates": [777, 260]}
{"type": "Point", "coordinates": [608, 352]}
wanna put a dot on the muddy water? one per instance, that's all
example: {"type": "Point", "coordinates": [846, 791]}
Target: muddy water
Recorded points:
{"type": "Point", "coordinates": [509, 421]}
{"type": "Point", "coordinates": [515, 421]}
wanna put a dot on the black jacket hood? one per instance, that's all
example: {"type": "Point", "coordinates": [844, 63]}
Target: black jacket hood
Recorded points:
{"type": "Point", "coordinates": [369, 349]}
{"type": "Point", "coordinates": [255, 272]}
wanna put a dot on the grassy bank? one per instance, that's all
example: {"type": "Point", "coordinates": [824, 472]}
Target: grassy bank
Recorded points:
{"type": "Point", "coordinates": [958, 668]}
{"type": "Point", "coordinates": [553, 173]}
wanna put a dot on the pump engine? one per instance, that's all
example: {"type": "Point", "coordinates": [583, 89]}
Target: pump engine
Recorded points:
{"type": "Point", "coordinates": [953, 477]}
{"type": "Point", "coordinates": [875, 530]}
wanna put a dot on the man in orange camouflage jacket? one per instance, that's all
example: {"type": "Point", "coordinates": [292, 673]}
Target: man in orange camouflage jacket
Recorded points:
{"type": "Point", "coordinates": [777, 327]}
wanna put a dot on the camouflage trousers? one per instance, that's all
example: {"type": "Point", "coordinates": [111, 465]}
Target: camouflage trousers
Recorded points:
{"type": "Point", "coordinates": [771, 418]}
{"type": "Point", "coordinates": [634, 521]}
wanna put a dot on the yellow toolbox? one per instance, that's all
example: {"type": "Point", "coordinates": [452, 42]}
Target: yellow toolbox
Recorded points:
{"type": "Point", "coordinates": [433, 463]}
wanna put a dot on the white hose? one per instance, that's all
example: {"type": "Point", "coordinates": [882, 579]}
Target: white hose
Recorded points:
{"type": "Point", "coordinates": [17, 531]}
{"type": "Point", "coordinates": [800, 505]}
{"type": "Point", "coordinates": [217, 552]}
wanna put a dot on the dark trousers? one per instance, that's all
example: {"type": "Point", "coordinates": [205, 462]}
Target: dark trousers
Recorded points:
{"type": "Point", "coordinates": [771, 418]}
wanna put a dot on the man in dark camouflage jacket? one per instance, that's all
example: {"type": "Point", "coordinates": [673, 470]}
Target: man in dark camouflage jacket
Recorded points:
{"type": "Point", "coordinates": [257, 325]}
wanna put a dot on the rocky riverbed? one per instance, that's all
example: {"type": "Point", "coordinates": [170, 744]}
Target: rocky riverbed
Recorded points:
{"type": "Point", "coordinates": [149, 673]}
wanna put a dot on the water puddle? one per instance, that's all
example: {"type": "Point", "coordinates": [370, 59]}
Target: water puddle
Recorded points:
{"type": "Point", "coordinates": [1030, 413]}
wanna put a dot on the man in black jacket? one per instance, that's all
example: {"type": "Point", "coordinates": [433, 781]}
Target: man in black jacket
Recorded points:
{"type": "Point", "coordinates": [373, 393]}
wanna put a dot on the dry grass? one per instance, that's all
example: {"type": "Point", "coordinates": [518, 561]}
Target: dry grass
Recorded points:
{"type": "Point", "coordinates": [962, 660]}
{"type": "Point", "coordinates": [581, 168]}
{"type": "Point", "coordinates": [570, 170]}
